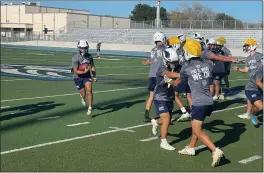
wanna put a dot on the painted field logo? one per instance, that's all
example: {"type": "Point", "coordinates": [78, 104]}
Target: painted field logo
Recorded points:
{"type": "Point", "coordinates": [37, 72]}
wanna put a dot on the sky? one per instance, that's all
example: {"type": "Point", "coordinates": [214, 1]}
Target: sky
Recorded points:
{"type": "Point", "coordinates": [248, 11]}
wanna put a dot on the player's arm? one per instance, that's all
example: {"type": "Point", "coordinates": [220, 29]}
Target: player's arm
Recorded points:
{"type": "Point", "coordinates": [259, 83]}
{"type": "Point", "coordinates": [259, 77]}
{"type": "Point", "coordinates": [172, 75]}
{"type": "Point", "coordinates": [182, 77]}
{"type": "Point", "coordinates": [222, 58]}
{"type": "Point", "coordinates": [93, 69]}
{"type": "Point", "coordinates": [75, 68]}
{"type": "Point", "coordinates": [243, 70]}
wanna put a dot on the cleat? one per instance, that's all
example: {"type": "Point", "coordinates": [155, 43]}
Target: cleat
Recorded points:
{"type": "Point", "coordinates": [221, 97]}
{"type": "Point", "coordinates": [187, 151]}
{"type": "Point", "coordinates": [166, 146]}
{"type": "Point", "coordinates": [154, 126]}
{"type": "Point", "coordinates": [215, 97]}
{"type": "Point", "coordinates": [89, 112]}
{"type": "Point", "coordinates": [184, 117]}
{"type": "Point", "coordinates": [217, 155]}
{"type": "Point", "coordinates": [254, 120]}
{"type": "Point", "coordinates": [244, 116]}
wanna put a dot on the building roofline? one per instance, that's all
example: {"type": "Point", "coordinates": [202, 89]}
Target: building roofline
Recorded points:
{"type": "Point", "coordinates": [47, 7]}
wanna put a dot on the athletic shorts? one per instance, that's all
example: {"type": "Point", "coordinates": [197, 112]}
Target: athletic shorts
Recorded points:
{"type": "Point", "coordinates": [152, 83]}
{"type": "Point", "coordinates": [98, 49]}
{"type": "Point", "coordinates": [200, 112]}
{"type": "Point", "coordinates": [163, 107]}
{"type": "Point", "coordinates": [254, 95]}
{"type": "Point", "coordinates": [80, 82]}
{"type": "Point", "coordinates": [218, 76]}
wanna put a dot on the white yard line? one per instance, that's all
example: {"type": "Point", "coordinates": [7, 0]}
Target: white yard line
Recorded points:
{"type": "Point", "coordinates": [222, 110]}
{"type": "Point", "coordinates": [87, 136]}
{"type": "Point", "coordinates": [78, 124]}
{"type": "Point", "coordinates": [237, 80]}
{"type": "Point", "coordinates": [121, 129]}
{"type": "Point", "coordinates": [71, 139]}
{"type": "Point", "coordinates": [62, 95]}
{"type": "Point", "coordinates": [149, 139]}
{"type": "Point", "coordinates": [13, 80]}
{"type": "Point", "coordinates": [118, 74]}
{"type": "Point", "coordinates": [4, 107]}
{"type": "Point", "coordinates": [250, 159]}
{"type": "Point", "coordinates": [48, 118]}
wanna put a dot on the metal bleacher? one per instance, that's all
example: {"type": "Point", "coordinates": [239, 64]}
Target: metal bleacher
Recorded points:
{"type": "Point", "coordinates": [234, 38]}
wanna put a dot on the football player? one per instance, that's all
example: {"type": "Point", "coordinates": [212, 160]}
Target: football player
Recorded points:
{"type": "Point", "coordinates": [253, 63]}
{"type": "Point", "coordinates": [219, 71]}
{"type": "Point", "coordinates": [156, 59]}
{"type": "Point", "coordinates": [98, 48]}
{"type": "Point", "coordinates": [197, 73]}
{"type": "Point", "coordinates": [177, 44]}
{"type": "Point", "coordinates": [164, 96]}
{"type": "Point", "coordinates": [221, 41]}
{"type": "Point", "coordinates": [83, 79]}
{"type": "Point", "coordinates": [208, 54]}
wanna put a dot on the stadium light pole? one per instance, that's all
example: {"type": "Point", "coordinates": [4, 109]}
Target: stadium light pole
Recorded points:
{"type": "Point", "coordinates": [158, 14]}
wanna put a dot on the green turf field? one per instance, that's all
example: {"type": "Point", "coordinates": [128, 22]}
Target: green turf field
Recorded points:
{"type": "Point", "coordinates": [44, 127]}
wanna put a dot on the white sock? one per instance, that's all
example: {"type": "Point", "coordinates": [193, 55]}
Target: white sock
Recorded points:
{"type": "Point", "coordinates": [183, 110]}
{"type": "Point", "coordinates": [164, 140]}
{"type": "Point", "coordinates": [90, 108]}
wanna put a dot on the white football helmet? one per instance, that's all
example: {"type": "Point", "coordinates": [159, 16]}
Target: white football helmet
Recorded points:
{"type": "Point", "coordinates": [211, 44]}
{"type": "Point", "coordinates": [182, 37]}
{"type": "Point", "coordinates": [170, 55]}
{"type": "Point", "coordinates": [83, 46]}
{"type": "Point", "coordinates": [159, 36]}
{"type": "Point", "coordinates": [197, 37]}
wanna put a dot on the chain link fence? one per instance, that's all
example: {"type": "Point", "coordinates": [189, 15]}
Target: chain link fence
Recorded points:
{"type": "Point", "coordinates": [197, 24]}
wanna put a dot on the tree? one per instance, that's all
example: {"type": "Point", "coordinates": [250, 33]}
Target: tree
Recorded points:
{"type": "Point", "coordinates": [229, 21]}
{"type": "Point", "coordinates": [192, 14]}
{"type": "Point", "coordinates": [144, 12]}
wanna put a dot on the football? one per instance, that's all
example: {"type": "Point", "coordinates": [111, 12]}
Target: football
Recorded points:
{"type": "Point", "coordinates": [82, 67]}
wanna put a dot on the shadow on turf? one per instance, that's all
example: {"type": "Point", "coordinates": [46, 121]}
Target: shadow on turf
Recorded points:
{"type": "Point", "coordinates": [117, 107]}
{"type": "Point", "coordinates": [231, 135]}
{"type": "Point", "coordinates": [70, 112]}
{"type": "Point", "coordinates": [28, 109]}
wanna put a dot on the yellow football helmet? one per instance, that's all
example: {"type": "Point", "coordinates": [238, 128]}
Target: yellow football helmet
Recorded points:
{"type": "Point", "coordinates": [249, 45]}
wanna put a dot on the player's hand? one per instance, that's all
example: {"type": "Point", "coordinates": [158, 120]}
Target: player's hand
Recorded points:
{"type": "Point", "coordinates": [236, 68]}
{"type": "Point", "coordinates": [167, 80]}
{"type": "Point", "coordinates": [95, 79]}
{"type": "Point", "coordinates": [146, 62]}
{"type": "Point", "coordinates": [234, 60]}
{"type": "Point", "coordinates": [86, 70]}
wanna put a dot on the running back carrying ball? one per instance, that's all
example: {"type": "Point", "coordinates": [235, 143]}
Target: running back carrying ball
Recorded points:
{"type": "Point", "coordinates": [82, 67]}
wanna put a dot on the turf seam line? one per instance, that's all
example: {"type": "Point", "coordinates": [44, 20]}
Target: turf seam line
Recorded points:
{"type": "Point", "coordinates": [62, 95]}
